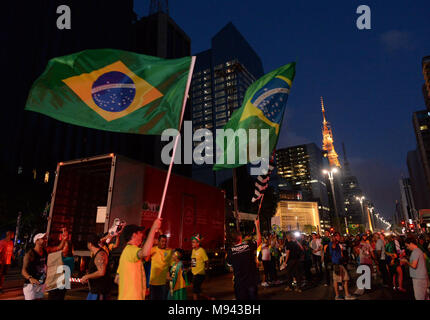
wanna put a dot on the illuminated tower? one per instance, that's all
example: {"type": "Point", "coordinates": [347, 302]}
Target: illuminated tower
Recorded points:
{"type": "Point", "coordinates": [328, 140]}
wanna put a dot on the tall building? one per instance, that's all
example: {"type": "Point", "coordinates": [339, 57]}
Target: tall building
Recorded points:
{"type": "Point", "coordinates": [421, 123]}
{"type": "Point", "coordinates": [419, 187]}
{"type": "Point", "coordinates": [351, 190]}
{"type": "Point", "coordinates": [407, 200]}
{"type": "Point", "coordinates": [220, 79]}
{"type": "Point", "coordinates": [300, 170]}
{"type": "Point", "coordinates": [426, 86]}
{"type": "Point", "coordinates": [328, 145]}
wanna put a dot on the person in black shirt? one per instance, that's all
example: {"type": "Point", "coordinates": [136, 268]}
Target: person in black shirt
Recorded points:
{"type": "Point", "coordinates": [294, 251]}
{"type": "Point", "coordinates": [97, 276]}
{"type": "Point", "coordinates": [241, 257]}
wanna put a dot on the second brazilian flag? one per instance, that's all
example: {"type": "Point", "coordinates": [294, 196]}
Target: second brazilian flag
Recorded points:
{"type": "Point", "coordinates": [262, 108]}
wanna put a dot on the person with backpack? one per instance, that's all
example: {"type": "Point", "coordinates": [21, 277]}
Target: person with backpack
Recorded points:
{"type": "Point", "coordinates": [97, 275]}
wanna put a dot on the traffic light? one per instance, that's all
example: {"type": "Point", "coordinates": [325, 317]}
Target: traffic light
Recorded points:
{"type": "Point", "coordinates": [403, 223]}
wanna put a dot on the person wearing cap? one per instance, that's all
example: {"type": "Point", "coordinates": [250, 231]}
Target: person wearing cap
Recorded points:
{"type": "Point", "coordinates": [199, 265]}
{"type": "Point", "coordinates": [34, 266]}
{"type": "Point", "coordinates": [131, 278]}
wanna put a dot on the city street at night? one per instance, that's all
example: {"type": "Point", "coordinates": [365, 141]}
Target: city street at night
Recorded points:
{"type": "Point", "coordinates": [208, 159]}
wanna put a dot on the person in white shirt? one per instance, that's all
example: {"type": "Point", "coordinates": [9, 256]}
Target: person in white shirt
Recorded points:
{"type": "Point", "coordinates": [381, 257]}
{"type": "Point", "coordinates": [316, 247]}
{"type": "Point", "coordinates": [266, 260]}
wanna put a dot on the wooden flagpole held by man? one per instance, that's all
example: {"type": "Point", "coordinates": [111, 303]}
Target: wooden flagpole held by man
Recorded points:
{"type": "Point", "coordinates": [166, 184]}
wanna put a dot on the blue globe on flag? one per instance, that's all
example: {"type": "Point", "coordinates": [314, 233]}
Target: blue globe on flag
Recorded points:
{"type": "Point", "coordinates": [113, 91]}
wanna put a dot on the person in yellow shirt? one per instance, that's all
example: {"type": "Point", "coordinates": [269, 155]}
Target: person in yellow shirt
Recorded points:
{"type": "Point", "coordinates": [130, 276]}
{"type": "Point", "coordinates": [199, 265]}
{"type": "Point", "coordinates": [161, 259]}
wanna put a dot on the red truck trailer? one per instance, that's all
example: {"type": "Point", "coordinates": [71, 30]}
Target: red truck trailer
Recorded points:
{"type": "Point", "coordinates": [129, 190]}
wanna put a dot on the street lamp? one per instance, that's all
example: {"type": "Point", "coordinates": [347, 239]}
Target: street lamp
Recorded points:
{"type": "Point", "coordinates": [330, 177]}
{"type": "Point", "coordinates": [360, 199]}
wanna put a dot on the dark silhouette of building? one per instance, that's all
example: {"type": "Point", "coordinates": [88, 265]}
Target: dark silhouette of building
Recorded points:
{"type": "Point", "coordinates": [351, 190]}
{"type": "Point", "coordinates": [407, 200]}
{"type": "Point", "coordinates": [421, 123]}
{"type": "Point", "coordinates": [420, 190]}
{"type": "Point", "coordinates": [426, 85]}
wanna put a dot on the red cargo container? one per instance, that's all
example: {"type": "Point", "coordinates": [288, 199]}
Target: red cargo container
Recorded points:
{"type": "Point", "coordinates": [132, 191]}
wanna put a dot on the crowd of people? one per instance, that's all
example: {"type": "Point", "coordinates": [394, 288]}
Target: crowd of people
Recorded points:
{"type": "Point", "coordinates": [147, 268]}
{"type": "Point", "coordinates": [311, 259]}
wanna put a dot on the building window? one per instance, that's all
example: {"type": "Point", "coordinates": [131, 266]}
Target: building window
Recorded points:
{"type": "Point", "coordinates": [207, 91]}
{"type": "Point", "coordinates": [220, 108]}
{"type": "Point", "coordinates": [207, 98]}
{"type": "Point", "coordinates": [220, 115]}
{"type": "Point", "coordinates": [424, 127]}
{"type": "Point", "coordinates": [220, 101]}
{"type": "Point", "coordinates": [208, 111]}
{"type": "Point", "coordinates": [221, 123]}
{"type": "Point", "coordinates": [220, 94]}
{"type": "Point", "coordinates": [219, 80]}
{"type": "Point", "coordinates": [208, 104]}
{"type": "Point", "coordinates": [207, 84]}
{"type": "Point", "coordinates": [219, 87]}
{"type": "Point", "coordinates": [198, 114]}
{"type": "Point", "coordinates": [46, 180]}
{"type": "Point", "coordinates": [208, 125]}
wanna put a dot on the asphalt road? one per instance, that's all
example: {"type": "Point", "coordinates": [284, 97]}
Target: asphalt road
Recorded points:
{"type": "Point", "coordinates": [220, 287]}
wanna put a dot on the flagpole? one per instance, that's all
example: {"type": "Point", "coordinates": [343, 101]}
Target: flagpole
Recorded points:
{"type": "Point", "coordinates": [259, 207]}
{"type": "Point", "coordinates": [236, 211]}
{"type": "Point", "coordinates": [166, 184]}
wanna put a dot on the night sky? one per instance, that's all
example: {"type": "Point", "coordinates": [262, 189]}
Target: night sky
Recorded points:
{"type": "Point", "coordinates": [371, 80]}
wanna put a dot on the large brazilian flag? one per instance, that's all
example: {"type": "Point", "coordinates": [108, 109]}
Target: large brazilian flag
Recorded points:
{"type": "Point", "coordinates": [262, 108]}
{"type": "Point", "coordinates": [112, 90]}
